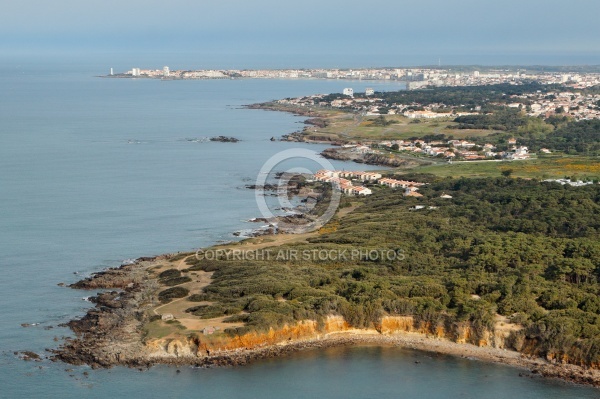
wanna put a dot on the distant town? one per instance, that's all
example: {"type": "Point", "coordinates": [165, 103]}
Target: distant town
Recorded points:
{"type": "Point", "coordinates": [414, 77]}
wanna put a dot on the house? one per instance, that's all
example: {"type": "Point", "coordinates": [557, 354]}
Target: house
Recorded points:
{"type": "Point", "coordinates": [449, 154]}
{"type": "Point", "coordinates": [393, 183]}
{"type": "Point", "coordinates": [519, 153]}
{"type": "Point", "coordinates": [359, 190]}
{"type": "Point", "coordinates": [363, 149]}
{"type": "Point", "coordinates": [446, 196]}
{"type": "Point", "coordinates": [370, 176]}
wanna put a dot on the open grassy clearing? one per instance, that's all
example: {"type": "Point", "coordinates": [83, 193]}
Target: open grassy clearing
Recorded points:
{"type": "Point", "coordinates": [553, 167]}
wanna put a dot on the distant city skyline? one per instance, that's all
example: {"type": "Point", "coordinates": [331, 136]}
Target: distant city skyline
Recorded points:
{"type": "Point", "coordinates": [423, 32]}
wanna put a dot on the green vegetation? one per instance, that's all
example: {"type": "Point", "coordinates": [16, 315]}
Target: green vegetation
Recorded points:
{"type": "Point", "coordinates": [504, 119]}
{"type": "Point", "coordinates": [171, 293]}
{"type": "Point", "coordinates": [543, 167]}
{"type": "Point", "coordinates": [172, 277]}
{"type": "Point", "coordinates": [582, 137]}
{"type": "Point", "coordinates": [169, 273]}
{"type": "Point", "coordinates": [176, 281]}
{"type": "Point", "coordinates": [526, 250]}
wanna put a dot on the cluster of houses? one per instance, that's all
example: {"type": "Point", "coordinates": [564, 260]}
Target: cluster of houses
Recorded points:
{"type": "Point", "coordinates": [459, 148]}
{"type": "Point", "coordinates": [577, 183]}
{"type": "Point", "coordinates": [570, 101]}
{"type": "Point", "coordinates": [344, 180]}
{"type": "Point", "coordinates": [574, 104]}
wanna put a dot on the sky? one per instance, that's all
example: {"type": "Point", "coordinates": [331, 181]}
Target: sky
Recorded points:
{"type": "Point", "coordinates": [424, 29]}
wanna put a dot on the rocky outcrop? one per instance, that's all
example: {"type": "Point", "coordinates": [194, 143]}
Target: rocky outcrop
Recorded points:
{"type": "Point", "coordinates": [386, 160]}
{"type": "Point", "coordinates": [334, 153]}
{"type": "Point", "coordinates": [318, 122]}
{"type": "Point", "coordinates": [224, 139]}
{"type": "Point", "coordinates": [120, 277]}
{"type": "Point", "coordinates": [370, 159]}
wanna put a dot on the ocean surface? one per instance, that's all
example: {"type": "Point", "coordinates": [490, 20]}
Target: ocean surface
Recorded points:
{"type": "Point", "coordinates": [94, 171]}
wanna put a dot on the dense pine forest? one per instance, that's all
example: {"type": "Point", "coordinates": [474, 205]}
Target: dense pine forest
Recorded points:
{"type": "Point", "coordinates": [526, 250]}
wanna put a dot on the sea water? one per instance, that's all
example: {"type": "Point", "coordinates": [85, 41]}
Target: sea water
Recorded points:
{"type": "Point", "coordinates": [96, 170]}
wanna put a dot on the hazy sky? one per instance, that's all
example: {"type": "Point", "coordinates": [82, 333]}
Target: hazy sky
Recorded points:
{"type": "Point", "coordinates": [433, 27]}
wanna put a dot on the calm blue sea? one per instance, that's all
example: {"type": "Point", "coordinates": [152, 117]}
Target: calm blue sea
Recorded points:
{"type": "Point", "coordinates": [94, 171]}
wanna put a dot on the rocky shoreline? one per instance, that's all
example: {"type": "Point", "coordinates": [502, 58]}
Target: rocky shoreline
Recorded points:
{"type": "Point", "coordinates": [342, 154]}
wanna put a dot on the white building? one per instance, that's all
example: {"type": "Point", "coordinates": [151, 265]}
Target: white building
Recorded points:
{"type": "Point", "coordinates": [348, 91]}
{"type": "Point", "coordinates": [166, 71]}
{"type": "Point", "coordinates": [369, 91]}
{"type": "Point", "coordinates": [135, 71]}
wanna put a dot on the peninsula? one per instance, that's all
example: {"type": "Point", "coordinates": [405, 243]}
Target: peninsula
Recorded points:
{"type": "Point", "coordinates": [496, 288]}
{"type": "Point", "coordinates": [486, 258]}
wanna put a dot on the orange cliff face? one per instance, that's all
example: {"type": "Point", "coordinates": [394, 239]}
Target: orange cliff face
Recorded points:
{"type": "Point", "coordinates": [200, 345]}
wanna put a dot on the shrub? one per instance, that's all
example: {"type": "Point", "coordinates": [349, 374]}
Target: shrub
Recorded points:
{"type": "Point", "coordinates": [176, 281]}
{"type": "Point", "coordinates": [198, 298]}
{"type": "Point", "coordinates": [169, 273]}
{"type": "Point", "coordinates": [171, 293]}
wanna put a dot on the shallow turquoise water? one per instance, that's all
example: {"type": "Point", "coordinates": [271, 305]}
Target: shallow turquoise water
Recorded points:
{"type": "Point", "coordinates": [94, 171]}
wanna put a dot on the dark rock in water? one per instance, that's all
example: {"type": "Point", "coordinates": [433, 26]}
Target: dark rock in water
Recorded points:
{"type": "Point", "coordinates": [257, 220]}
{"type": "Point", "coordinates": [266, 187]}
{"type": "Point", "coordinates": [257, 233]}
{"type": "Point", "coordinates": [224, 139]}
{"type": "Point", "coordinates": [28, 355]}
{"type": "Point", "coordinates": [273, 139]}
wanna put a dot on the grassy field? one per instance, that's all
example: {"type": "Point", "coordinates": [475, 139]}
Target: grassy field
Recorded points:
{"type": "Point", "coordinates": [349, 126]}
{"type": "Point", "coordinates": [539, 168]}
